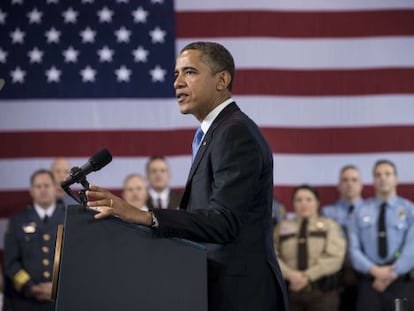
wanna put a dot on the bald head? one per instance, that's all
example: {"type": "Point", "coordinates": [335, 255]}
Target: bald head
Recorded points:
{"type": "Point", "coordinates": [60, 169]}
{"type": "Point", "coordinates": [135, 190]}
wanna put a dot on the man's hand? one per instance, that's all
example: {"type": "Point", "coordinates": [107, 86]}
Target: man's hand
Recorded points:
{"type": "Point", "coordinates": [108, 204]}
{"type": "Point", "coordinates": [297, 280]}
{"type": "Point", "coordinates": [41, 291]}
{"type": "Point", "coordinates": [383, 272]}
{"type": "Point", "coordinates": [381, 285]}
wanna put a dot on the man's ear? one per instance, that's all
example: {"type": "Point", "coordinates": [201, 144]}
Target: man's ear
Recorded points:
{"type": "Point", "coordinates": [224, 80]}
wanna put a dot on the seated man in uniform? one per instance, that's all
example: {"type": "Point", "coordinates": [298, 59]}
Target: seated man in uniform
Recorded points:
{"type": "Point", "coordinates": [30, 245]}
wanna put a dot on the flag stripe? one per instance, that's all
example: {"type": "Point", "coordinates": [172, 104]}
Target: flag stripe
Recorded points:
{"type": "Point", "coordinates": [291, 5]}
{"type": "Point", "coordinates": [324, 82]}
{"type": "Point", "coordinates": [285, 24]}
{"type": "Point", "coordinates": [332, 53]}
{"type": "Point", "coordinates": [267, 111]}
{"type": "Point", "coordinates": [176, 142]}
{"type": "Point", "coordinates": [319, 169]}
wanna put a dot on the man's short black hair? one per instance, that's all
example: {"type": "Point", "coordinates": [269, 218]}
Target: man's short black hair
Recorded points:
{"type": "Point", "coordinates": [216, 56]}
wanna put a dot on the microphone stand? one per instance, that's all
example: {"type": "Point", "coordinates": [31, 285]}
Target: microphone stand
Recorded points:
{"type": "Point", "coordinates": [81, 177]}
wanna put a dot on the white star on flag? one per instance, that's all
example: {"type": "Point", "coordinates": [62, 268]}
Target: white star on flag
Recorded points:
{"type": "Point", "coordinates": [71, 55]}
{"type": "Point", "coordinates": [3, 16]}
{"type": "Point", "coordinates": [105, 54]}
{"type": "Point", "coordinates": [70, 16]}
{"type": "Point", "coordinates": [17, 36]}
{"type": "Point", "coordinates": [140, 15]}
{"type": "Point", "coordinates": [53, 74]}
{"type": "Point", "coordinates": [105, 15]}
{"type": "Point", "coordinates": [52, 35]}
{"type": "Point", "coordinates": [140, 54]}
{"type": "Point", "coordinates": [34, 16]}
{"type": "Point", "coordinates": [88, 35]}
{"type": "Point", "coordinates": [122, 34]}
{"type": "Point", "coordinates": [123, 74]}
{"type": "Point", "coordinates": [158, 74]}
{"type": "Point", "coordinates": [88, 74]}
{"type": "Point", "coordinates": [18, 75]}
{"type": "Point", "coordinates": [3, 56]}
{"type": "Point", "coordinates": [35, 55]}
{"type": "Point", "coordinates": [157, 35]}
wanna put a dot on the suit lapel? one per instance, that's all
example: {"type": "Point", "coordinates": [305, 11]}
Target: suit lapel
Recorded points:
{"type": "Point", "coordinates": [207, 140]}
{"type": "Point", "coordinates": [223, 115]}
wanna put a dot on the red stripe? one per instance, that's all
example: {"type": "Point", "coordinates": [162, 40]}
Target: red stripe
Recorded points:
{"type": "Point", "coordinates": [324, 82]}
{"type": "Point", "coordinates": [14, 201]}
{"type": "Point", "coordinates": [171, 143]}
{"type": "Point", "coordinates": [294, 24]}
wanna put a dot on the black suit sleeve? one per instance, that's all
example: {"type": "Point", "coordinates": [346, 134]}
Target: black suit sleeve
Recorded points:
{"type": "Point", "coordinates": [232, 178]}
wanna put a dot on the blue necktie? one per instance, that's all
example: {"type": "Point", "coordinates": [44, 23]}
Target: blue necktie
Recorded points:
{"type": "Point", "coordinates": [197, 140]}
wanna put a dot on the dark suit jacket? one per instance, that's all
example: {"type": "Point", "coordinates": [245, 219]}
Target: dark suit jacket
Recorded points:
{"type": "Point", "coordinates": [227, 204]}
{"type": "Point", "coordinates": [29, 250]}
{"type": "Point", "coordinates": [174, 200]}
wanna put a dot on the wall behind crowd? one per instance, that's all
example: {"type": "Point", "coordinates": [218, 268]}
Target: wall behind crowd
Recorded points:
{"type": "Point", "coordinates": [333, 89]}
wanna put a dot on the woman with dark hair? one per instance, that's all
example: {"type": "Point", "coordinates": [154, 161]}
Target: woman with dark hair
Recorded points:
{"type": "Point", "coordinates": [310, 249]}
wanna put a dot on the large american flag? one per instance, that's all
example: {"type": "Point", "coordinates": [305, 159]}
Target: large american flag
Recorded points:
{"type": "Point", "coordinates": [330, 83]}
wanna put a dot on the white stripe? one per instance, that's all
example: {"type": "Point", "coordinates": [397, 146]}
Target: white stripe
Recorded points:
{"type": "Point", "coordinates": [294, 5]}
{"type": "Point", "coordinates": [289, 169]}
{"type": "Point", "coordinates": [163, 114]}
{"type": "Point", "coordinates": [302, 54]}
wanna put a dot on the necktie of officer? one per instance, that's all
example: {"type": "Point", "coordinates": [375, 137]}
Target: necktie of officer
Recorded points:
{"type": "Point", "coordinates": [382, 232]}
{"type": "Point", "coordinates": [159, 202]}
{"type": "Point", "coordinates": [351, 209]}
{"type": "Point", "coordinates": [45, 219]}
{"type": "Point", "coordinates": [303, 245]}
{"type": "Point", "coordinates": [197, 140]}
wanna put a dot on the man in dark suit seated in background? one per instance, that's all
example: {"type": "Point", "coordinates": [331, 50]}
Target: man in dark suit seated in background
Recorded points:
{"type": "Point", "coordinates": [160, 194]}
{"type": "Point", "coordinates": [227, 202]}
{"type": "Point", "coordinates": [30, 246]}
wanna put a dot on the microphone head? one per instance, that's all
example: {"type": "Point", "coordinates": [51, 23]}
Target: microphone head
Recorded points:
{"type": "Point", "coordinates": [100, 159]}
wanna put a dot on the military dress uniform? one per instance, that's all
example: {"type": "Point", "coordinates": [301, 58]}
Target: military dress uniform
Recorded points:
{"type": "Point", "coordinates": [29, 256]}
{"type": "Point", "coordinates": [324, 254]}
{"type": "Point", "coordinates": [342, 212]}
{"type": "Point", "coordinates": [390, 245]}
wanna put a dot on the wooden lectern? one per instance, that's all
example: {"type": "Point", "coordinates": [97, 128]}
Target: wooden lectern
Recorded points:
{"type": "Point", "coordinates": [111, 265]}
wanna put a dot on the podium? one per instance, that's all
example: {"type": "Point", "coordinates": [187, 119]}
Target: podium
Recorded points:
{"type": "Point", "coordinates": [111, 265]}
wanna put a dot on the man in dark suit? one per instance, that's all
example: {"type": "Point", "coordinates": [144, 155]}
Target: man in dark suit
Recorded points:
{"type": "Point", "coordinates": [30, 246]}
{"type": "Point", "coordinates": [227, 202]}
{"type": "Point", "coordinates": [160, 193]}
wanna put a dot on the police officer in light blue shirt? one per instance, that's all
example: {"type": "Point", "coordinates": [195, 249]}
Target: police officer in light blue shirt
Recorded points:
{"type": "Point", "coordinates": [381, 247]}
{"type": "Point", "coordinates": [349, 188]}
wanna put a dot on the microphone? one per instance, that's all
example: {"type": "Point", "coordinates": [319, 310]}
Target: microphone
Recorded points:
{"type": "Point", "coordinates": [95, 163]}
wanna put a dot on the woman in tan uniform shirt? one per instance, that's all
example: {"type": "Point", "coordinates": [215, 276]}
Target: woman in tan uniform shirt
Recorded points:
{"type": "Point", "coordinates": [310, 250]}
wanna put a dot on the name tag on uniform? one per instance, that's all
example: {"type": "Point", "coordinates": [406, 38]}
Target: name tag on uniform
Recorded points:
{"type": "Point", "coordinates": [29, 228]}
